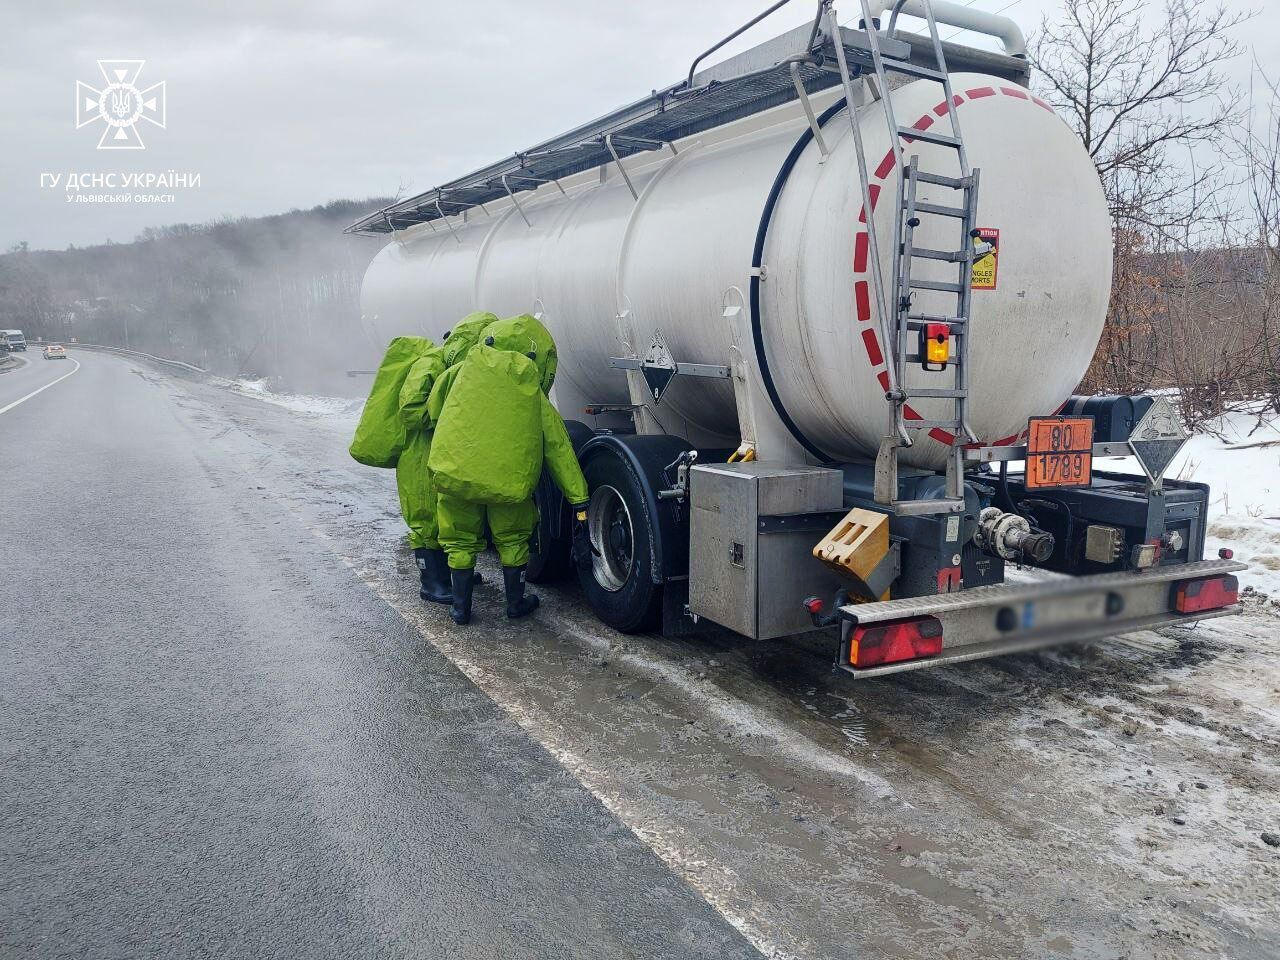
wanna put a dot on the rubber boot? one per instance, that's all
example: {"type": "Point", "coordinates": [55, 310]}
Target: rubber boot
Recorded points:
{"type": "Point", "coordinates": [518, 605]}
{"type": "Point", "coordinates": [463, 581]}
{"type": "Point", "coordinates": [433, 570]}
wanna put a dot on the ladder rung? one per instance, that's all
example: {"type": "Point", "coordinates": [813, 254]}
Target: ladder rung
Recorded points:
{"type": "Point", "coordinates": [956, 326]}
{"type": "Point", "coordinates": [930, 393]}
{"type": "Point", "coordinates": [938, 210]}
{"type": "Point", "coordinates": [945, 286]}
{"type": "Point", "coordinates": [915, 320]}
{"type": "Point", "coordinates": [954, 256]}
{"type": "Point", "coordinates": [914, 358]}
{"type": "Point", "coordinates": [906, 66]}
{"type": "Point", "coordinates": [956, 183]}
{"type": "Point", "coordinates": [941, 139]}
{"type": "Point", "coordinates": [951, 425]}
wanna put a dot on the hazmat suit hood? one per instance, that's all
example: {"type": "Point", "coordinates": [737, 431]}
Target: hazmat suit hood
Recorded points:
{"type": "Point", "coordinates": [526, 335]}
{"type": "Point", "coordinates": [465, 334]}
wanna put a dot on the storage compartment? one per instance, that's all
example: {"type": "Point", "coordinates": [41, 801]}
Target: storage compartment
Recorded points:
{"type": "Point", "coordinates": [751, 536]}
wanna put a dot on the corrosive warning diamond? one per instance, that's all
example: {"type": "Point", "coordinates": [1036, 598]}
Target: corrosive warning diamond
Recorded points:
{"type": "Point", "coordinates": [1157, 438]}
{"type": "Point", "coordinates": [120, 105]}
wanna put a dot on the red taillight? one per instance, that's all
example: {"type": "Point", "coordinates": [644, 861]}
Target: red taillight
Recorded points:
{"type": "Point", "coordinates": [895, 641]}
{"type": "Point", "coordinates": [1207, 593]}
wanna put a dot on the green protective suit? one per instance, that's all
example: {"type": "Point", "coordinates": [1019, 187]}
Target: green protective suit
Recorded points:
{"type": "Point", "coordinates": [495, 429]}
{"type": "Point", "coordinates": [413, 474]}
{"type": "Point", "coordinates": [380, 434]}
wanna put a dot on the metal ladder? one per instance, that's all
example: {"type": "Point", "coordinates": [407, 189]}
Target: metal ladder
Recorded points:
{"type": "Point", "coordinates": [907, 321]}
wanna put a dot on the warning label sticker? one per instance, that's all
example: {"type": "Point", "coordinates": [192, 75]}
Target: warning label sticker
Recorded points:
{"type": "Point", "coordinates": [984, 270]}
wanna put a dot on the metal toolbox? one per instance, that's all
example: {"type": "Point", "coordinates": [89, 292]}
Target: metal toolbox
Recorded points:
{"type": "Point", "coordinates": [751, 536]}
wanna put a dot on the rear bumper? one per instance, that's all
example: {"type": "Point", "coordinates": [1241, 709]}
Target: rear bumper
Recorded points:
{"type": "Point", "coordinates": [1011, 618]}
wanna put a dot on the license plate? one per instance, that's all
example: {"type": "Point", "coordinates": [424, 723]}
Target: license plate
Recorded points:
{"type": "Point", "coordinates": [1059, 452]}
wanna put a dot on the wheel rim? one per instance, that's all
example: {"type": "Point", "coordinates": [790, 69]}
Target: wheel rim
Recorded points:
{"type": "Point", "coordinates": [613, 536]}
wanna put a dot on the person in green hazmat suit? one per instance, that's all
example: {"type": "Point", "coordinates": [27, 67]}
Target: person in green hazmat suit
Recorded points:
{"type": "Point", "coordinates": [413, 475]}
{"type": "Point", "coordinates": [495, 429]}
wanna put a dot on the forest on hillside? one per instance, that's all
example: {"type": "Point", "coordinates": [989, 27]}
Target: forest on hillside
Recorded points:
{"type": "Point", "coordinates": [274, 296]}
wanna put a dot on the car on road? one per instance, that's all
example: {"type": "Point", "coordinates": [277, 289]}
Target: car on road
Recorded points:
{"type": "Point", "coordinates": [55, 351]}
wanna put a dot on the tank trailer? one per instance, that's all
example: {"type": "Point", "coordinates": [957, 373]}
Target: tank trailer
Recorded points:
{"type": "Point", "coordinates": [820, 309]}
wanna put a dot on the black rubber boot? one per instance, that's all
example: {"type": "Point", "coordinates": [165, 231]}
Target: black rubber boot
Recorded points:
{"type": "Point", "coordinates": [518, 605]}
{"type": "Point", "coordinates": [433, 571]}
{"type": "Point", "coordinates": [463, 581]}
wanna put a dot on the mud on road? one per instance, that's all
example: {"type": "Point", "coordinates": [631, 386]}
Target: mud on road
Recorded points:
{"type": "Point", "coordinates": [1104, 801]}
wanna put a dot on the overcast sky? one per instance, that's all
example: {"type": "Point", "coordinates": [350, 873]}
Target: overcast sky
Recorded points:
{"type": "Point", "coordinates": [280, 104]}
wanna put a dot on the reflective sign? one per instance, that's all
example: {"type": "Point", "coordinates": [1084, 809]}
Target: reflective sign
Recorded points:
{"type": "Point", "coordinates": [1059, 452]}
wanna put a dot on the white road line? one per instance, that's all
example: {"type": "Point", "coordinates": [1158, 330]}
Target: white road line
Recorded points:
{"type": "Point", "coordinates": [6, 409]}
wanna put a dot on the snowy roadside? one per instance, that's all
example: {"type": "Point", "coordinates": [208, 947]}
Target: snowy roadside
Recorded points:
{"type": "Point", "coordinates": [1243, 474]}
{"type": "Point", "coordinates": [340, 409]}
{"type": "Point", "coordinates": [1239, 458]}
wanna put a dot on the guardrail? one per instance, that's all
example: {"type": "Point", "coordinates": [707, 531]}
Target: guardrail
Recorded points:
{"type": "Point", "coordinates": [138, 353]}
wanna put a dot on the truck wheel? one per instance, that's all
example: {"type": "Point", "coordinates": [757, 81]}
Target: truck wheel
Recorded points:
{"type": "Point", "coordinates": [619, 585]}
{"type": "Point", "coordinates": [549, 559]}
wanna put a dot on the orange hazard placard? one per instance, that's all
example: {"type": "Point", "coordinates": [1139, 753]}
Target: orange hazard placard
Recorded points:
{"type": "Point", "coordinates": [1059, 452]}
{"type": "Point", "coordinates": [982, 275]}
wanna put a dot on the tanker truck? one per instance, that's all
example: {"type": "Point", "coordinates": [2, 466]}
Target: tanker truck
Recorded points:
{"type": "Point", "coordinates": [821, 307]}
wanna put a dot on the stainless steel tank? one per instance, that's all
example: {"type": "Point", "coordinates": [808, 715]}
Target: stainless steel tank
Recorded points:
{"type": "Point", "coordinates": [606, 270]}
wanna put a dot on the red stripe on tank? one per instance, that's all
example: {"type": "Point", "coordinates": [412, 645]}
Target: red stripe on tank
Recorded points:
{"type": "Point", "coordinates": [874, 190]}
{"type": "Point", "coordinates": [886, 165]}
{"type": "Point", "coordinates": [941, 108]}
{"type": "Point", "coordinates": [873, 347]}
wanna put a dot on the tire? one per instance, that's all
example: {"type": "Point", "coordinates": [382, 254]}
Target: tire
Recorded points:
{"type": "Point", "coordinates": [549, 548]}
{"type": "Point", "coordinates": [619, 585]}
{"type": "Point", "coordinates": [549, 560]}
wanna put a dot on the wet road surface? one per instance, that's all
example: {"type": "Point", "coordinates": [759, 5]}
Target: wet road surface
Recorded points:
{"type": "Point", "coordinates": [1102, 802]}
{"type": "Point", "coordinates": [27, 374]}
{"type": "Point", "coordinates": [216, 740]}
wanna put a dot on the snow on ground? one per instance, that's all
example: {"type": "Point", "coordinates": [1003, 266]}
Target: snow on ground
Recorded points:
{"type": "Point", "coordinates": [1239, 458]}
{"type": "Point", "coordinates": [343, 407]}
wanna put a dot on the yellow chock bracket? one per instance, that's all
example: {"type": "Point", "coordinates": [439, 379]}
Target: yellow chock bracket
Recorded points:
{"type": "Point", "coordinates": [859, 547]}
{"type": "Point", "coordinates": [745, 453]}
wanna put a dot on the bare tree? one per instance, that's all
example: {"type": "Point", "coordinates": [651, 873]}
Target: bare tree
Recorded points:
{"type": "Point", "coordinates": [1258, 147]}
{"type": "Point", "coordinates": [1142, 94]}
{"type": "Point", "coordinates": [1136, 94]}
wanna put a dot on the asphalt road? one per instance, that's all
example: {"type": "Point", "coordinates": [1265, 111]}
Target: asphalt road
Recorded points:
{"type": "Point", "coordinates": [215, 740]}
{"type": "Point", "coordinates": [29, 374]}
